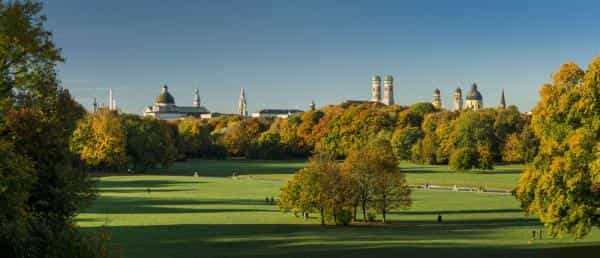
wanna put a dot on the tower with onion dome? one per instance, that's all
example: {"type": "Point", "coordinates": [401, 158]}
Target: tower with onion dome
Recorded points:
{"type": "Point", "coordinates": [437, 99]}
{"type": "Point", "coordinates": [388, 90]}
{"type": "Point", "coordinates": [458, 100]}
{"type": "Point", "coordinates": [376, 89]}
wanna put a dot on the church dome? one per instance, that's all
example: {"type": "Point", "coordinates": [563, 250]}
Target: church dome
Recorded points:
{"type": "Point", "coordinates": [437, 91]}
{"type": "Point", "coordinates": [458, 90]}
{"type": "Point", "coordinates": [376, 78]}
{"type": "Point", "coordinates": [474, 93]}
{"type": "Point", "coordinates": [389, 78]}
{"type": "Point", "coordinates": [165, 97]}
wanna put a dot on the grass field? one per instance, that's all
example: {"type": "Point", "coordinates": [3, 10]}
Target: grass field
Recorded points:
{"type": "Point", "coordinates": [215, 215]}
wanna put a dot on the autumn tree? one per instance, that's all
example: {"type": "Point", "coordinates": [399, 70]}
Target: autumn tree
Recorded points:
{"type": "Point", "coordinates": [358, 167]}
{"type": "Point", "coordinates": [390, 189]}
{"type": "Point", "coordinates": [100, 140]}
{"type": "Point", "coordinates": [320, 187]}
{"type": "Point", "coordinates": [562, 184]}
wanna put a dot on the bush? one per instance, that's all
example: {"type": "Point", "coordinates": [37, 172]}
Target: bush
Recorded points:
{"type": "Point", "coordinates": [344, 217]}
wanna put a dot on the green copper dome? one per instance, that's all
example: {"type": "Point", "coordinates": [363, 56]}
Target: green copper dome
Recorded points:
{"type": "Point", "coordinates": [376, 78]}
{"type": "Point", "coordinates": [389, 78]}
{"type": "Point", "coordinates": [474, 93]}
{"type": "Point", "coordinates": [165, 97]}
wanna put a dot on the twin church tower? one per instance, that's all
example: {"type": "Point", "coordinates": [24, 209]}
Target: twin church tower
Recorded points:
{"type": "Point", "coordinates": [388, 90]}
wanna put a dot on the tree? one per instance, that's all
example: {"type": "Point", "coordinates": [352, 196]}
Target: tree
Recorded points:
{"type": "Point", "coordinates": [462, 159]}
{"type": "Point", "coordinates": [360, 170]}
{"type": "Point", "coordinates": [390, 189]}
{"type": "Point", "coordinates": [375, 179]}
{"type": "Point", "coordinates": [513, 149]}
{"type": "Point", "coordinates": [100, 140]}
{"type": "Point", "coordinates": [321, 187]}
{"type": "Point", "coordinates": [37, 117]}
{"type": "Point", "coordinates": [195, 136]}
{"type": "Point", "coordinates": [16, 181]}
{"type": "Point", "coordinates": [562, 184]}
{"type": "Point", "coordinates": [149, 142]}
{"type": "Point", "coordinates": [305, 191]}
{"type": "Point", "coordinates": [419, 110]}
{"type": "Point", "coordinates": [403, 139]}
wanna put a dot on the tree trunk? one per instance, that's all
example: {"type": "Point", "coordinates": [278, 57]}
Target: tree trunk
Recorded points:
{"type": "Point", "coordinates": [354, 215]}
{"type": "Point", "coordinates": [383, 207]}
{"type": "Point", "coordinates": [334, 217]}
{"type": "Point", "coordinates": [364, 210]}
{"type": "Point", "coordinates": [322, 217]}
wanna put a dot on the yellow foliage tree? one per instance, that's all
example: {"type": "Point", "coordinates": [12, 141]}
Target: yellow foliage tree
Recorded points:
{"type": "Point", "coordinates": [100, 139]}
{"type": "Point", "coordinates": [562, 185]}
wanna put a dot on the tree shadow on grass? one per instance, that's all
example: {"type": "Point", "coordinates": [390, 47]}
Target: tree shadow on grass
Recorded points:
{"type": "Point", "coordinates": [142, 183]}
{"type": "Point", "coordinates": [401, 239]}
{"type": "Point", "coordinates": [227, 167]}
{"type": "Point", "coordinates": [148, 205]}
{"type": "Point", "coordinates": [442, 212]}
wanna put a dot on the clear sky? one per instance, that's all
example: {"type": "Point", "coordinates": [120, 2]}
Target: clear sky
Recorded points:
{"type": "Point", "coordinates": [287, 53]}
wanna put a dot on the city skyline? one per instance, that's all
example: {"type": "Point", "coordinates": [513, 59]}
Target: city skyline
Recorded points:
{"type": "Point", "coordinates": [287, 55]}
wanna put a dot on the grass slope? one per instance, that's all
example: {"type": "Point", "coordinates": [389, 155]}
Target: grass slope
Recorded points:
{"type": "Point", "coordinates": [217, 216]}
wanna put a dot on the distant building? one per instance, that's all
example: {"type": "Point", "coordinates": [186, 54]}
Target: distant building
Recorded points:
{"type": "Point", "coordinates": [474, 99]}
{"type": "Point", "coordinates": [214, 115]}
{"type": "Point", "coordinates": [242, 106]}
{"type": "Point", "coordinates": [280, 113]}
{"type": "Point", "coordinates": [388, 90]}
{"type": "Point", "coordinates": [376, 89]}
{"type": "Point", "coordinates": [502, 100]}
{"type": "Point", "coordinates": [458, 100]}
{"type": "Point", "coordinates": [164, 107]}
{"type": "Point", "coordinates": [94, 105]}
{"type": "Point", "coordinates": [437, 99]}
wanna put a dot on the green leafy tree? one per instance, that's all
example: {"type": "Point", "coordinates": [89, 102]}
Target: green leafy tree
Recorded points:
{"type": "Point", "coordinates": [462, 159]}
{"type": "Point", "coordinates": [195, 136]}
{"type": "Point", "coordinates": [403, 139]}
{"type": "Point", "coordinates": [37, 117]}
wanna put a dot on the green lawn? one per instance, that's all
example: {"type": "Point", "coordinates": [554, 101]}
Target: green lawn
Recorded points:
{"type": "Point", "coordinates": [217, 216]}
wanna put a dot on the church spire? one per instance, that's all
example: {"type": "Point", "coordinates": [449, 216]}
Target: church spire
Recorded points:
{"type": "Point", "coordinates": [196, 102]}
{"type": "Point", "coordinates": [242, 106]}
{"type": "Point", "coordinates": [502, 100]}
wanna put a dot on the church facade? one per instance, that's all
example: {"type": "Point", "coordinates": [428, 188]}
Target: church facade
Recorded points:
{"type": "Point", "coordinates": [164, 107]}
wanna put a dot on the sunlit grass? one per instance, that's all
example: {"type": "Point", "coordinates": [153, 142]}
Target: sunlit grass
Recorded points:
{"type": "Point", "coordinates": [215, 215]}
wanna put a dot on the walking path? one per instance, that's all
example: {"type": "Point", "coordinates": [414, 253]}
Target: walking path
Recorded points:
{"type": "Point", "coordinates": [456, 188]}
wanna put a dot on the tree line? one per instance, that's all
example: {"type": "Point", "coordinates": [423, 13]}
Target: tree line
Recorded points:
{"type": "Point", "coordinates": [419, 133]}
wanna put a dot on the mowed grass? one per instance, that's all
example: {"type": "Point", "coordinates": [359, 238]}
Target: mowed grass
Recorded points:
{"type": "Point", "coordinates": [215, 215]}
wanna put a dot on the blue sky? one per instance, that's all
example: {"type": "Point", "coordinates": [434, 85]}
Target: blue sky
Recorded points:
{"type": "Point", "coordinates": [287, 53]}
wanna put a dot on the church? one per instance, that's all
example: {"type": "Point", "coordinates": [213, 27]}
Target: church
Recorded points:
{"type": "Point", "coordinates": [164, 107]}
